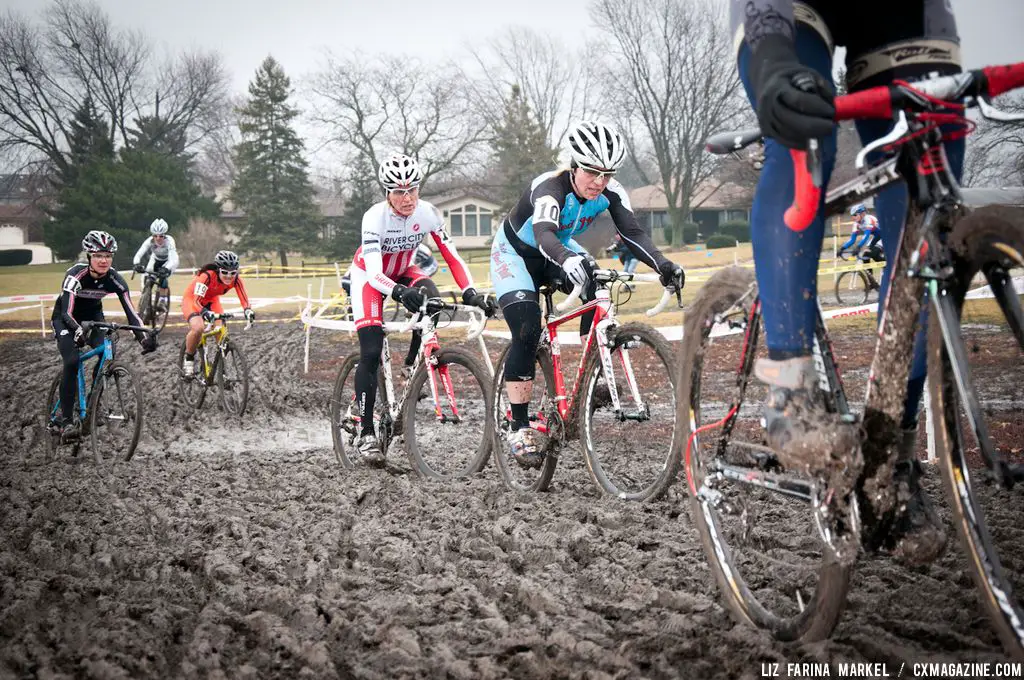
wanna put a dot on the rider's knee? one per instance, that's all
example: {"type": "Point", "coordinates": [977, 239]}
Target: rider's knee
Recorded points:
{"type": "Point", "coordinates": [371, 345]}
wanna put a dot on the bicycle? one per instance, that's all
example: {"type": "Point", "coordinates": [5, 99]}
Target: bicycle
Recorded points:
{"type": "Point", "coordinates": [220, 362]}
{"type": "Point", "coordinates": [733, 477]}
{"type": "Point", "coordinates": [855, 286]}
{"type": "Point", "coordinates": [151, 310]}
{"type": "Point", "coordinates": [109, 411]}
{"type": "Point", "coordinates": [445, 429]}
{"type": "Point", "coordinates": [616, 448]}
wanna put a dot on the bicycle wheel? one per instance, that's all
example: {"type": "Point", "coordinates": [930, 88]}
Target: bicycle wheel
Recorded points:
{"type": "Point", "coordinates": [763, 544]}
{"type": "Point", "coordinates": [115, 415]}
{"type": "Point", "coordinates": [192, 388]}
{"type": "Point", "coordinates": [233, 379]}
{"type": "Point", "coordinates": [160, 313]}
{"type": "Point", "coordinates": [852, 288]}
{"type": "Point", "coordinates": [981, 408]}
{"type": "Point", "coordinates": [629, 451]}
{"type": "Point", "coordinates": [449, 438]}
{"type": "Point", "coordinates": [146, 304]}
{"type": "Point", "coordinates": [345, 414]}
{"type": "Point", "coordinates": [544, 416]}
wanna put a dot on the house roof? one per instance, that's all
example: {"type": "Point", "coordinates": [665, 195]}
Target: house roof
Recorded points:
{"type": "Point", "coordinates": [445, 198]}
{"type": "Point", "coordinates": [708, 196]}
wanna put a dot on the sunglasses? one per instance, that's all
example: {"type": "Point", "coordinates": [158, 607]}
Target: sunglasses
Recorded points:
{"type": "Point", "coordinates": [102, 256]}
{"type": "Point", "coordinates": [403, 192]}
{"type": "Point", "coordinates": [597, 174]}
{"type": "Point", "coordinates": [228, 272]}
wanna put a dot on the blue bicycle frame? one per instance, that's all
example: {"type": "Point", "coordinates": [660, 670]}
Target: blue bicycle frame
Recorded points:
{"type": "Point", "coordinates": [106, 353]}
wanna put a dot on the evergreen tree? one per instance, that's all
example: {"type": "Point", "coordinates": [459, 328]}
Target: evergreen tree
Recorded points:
{"type": "Point", "coordinates": [363, 193]}
{"type": "Point", "coordinates": [521, 149]}
{"type": "Point", "coordinates": [88, 140]}
{"type": "Point", "coordinates": [272, 185]}
{"type": "Point", "coordinates": [153, 133]}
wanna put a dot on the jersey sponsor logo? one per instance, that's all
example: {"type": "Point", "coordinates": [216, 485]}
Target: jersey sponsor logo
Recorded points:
{"type": "Point", "coordinates": [416, 227]}
{"type": "Point", "coordinates": [71, 285]}
{"type": "Point", "coordinates": [201, 289]}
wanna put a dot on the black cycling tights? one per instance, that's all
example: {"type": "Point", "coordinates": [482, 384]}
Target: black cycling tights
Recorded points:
{"type": "Point", "coordinates": [523, 320]}
{"type": "Point", "coordinates": [70, 353]}
{"type": "Point", "coordinates": [371, 344]}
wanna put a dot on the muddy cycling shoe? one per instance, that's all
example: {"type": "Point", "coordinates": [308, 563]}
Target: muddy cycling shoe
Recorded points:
{"type": "Point", "coordinates": [527, 447]}
{"type": "Point", "coordinates": [806, 437]}
{"type": "Point", "coordinates": [369, 449]}
{"type": "Point", "coordinates": [188, 368]}
{"type": "Point", "coordinates": [917, 536]}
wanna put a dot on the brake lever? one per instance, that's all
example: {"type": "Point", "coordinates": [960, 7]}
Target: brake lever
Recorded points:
{"type": "Point", "coordinates": [992, 113]}
{"type": "Point", "coordinates": [901, 128]}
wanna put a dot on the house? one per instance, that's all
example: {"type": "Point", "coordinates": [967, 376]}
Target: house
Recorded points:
{"type": "Point", "coordinates": [22, 217]}
{"type": "Point", "coordinates": [713, 204]}
{"type": "Point", "coordinates": [470, 216]}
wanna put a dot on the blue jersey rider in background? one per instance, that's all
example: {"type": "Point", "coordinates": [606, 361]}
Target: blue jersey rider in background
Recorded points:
{"type": "Point", "coordinates": [785, 52]}
{"type": "Point", "coordinates": [535, 246]}
{"type": "Point", "coordinates": [866, 227]}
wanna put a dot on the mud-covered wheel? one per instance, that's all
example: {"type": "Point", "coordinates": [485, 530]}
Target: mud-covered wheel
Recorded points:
{"type": "Point", "coordinates": [344, 411]}
{"type": "Point", "coordinates": [990, 241]}
{"type": "Point", "coordinates": [744, 527]}
{"type": "Point", "coordinates": [192, 388]}
{"type": "Point", "coordinates": [543, 415]}
{"type": "Point", "coordinates": [115, 415]}
{"type": "Point", "coordinates": [629, 451]}
{"type": "Point", "coordinates": [52, 407]}
{"type": "Point", "coordinates": [852, 288]}
{"type": "Point", "coordinates": [449, 439]}
{"type": "Point", "coordinates": [233, 380]}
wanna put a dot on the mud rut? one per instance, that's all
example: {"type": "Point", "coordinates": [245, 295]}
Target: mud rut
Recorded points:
{"type": "Point", "coordinates": [243, 550]}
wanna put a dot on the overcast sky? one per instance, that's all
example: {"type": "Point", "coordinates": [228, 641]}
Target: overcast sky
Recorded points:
{"type": "Point", "coordinates": [297, 32]}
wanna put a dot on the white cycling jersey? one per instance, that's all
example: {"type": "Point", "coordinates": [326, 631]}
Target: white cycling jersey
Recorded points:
{"type": "Point", "coordinates": [390, 241]}
{"type": "Point", "coordinates": [166, 253]}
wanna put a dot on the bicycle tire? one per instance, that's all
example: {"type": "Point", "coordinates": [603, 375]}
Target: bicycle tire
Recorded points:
{"type": "Point", "coordinates": [852, 295]}
{"type": "Point", "coordinates": [193, 390]}
{"type": "Point", "coordinates": [118, 372]}
{"type": "Point", "coordinates": [233, 407]}
{"type": "Point", "coordinates": [146, 304]}
{"type": "Point", "coordinates": [508, 469]}
{"type": "Point", "coordinates": [344, 430]}
{"type": "Point", "coordinates": [979, 241]}
{"type": "Point", "coordinates": [160, 317]}
{"type": "Point", "coordinates": [820, 615]}
{"type": "Point", "coordinates": [478, 459]}
{"type": "Point", "coordinates": [666, 474]}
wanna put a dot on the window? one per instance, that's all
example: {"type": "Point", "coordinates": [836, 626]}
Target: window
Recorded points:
{"type": "Point", "coordinates": [470, 224]}
{"type": "Point", "coordinates": [456, 222]}
{"type": "Point", "coordinates": [470, 220]}
{"type": "Point", "coordinates": [485, 224]}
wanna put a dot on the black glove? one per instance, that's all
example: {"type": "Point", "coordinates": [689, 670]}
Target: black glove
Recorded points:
{"type": "Point", "coordinates": [162, 272]}
{"type": "Point", "coordinates": [148, 343]}
{"type": "Point", "coordinates": [485, 302]}
{"type": "Point", "coordinates": [411, 298]}
{"type": "Point", "coordinates": [79, 337]}
{"type": "Point", "coordinates": [672, 275]}
{"type": "Point", "coordinates": [138, 268]}
{"type": "Point", "coordinates": [250, 315]}
{"type": "Point", "coordinates": [794, 102]}
{"type": "Point", "coordinates": [209, 316]}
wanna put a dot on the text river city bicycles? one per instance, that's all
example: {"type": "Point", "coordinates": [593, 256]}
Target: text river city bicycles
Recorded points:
{"type": "Point", "coordinates": [220, 362]}
{"type": "Point", "coordinates": [109, 409]}
{"type": "Point", "coordinates": [621, 405]}
{"type": "Point", "coordinates": [794, 582]}
{"type": "Point", "coordinates": [441, 411]}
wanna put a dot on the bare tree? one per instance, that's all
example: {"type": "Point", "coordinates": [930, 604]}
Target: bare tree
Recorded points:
{"type": "Point", "coordinates": [47, 70]}
{"type": "Point", "coordinates": [672, 82]}
{"type": "Point", "coordinates": [995, 151]}
{"type": "Point", "coordinates": [201, 242]}
{"type": "Point", "coordinates": [375, 106]}
{"type": "Point", "coordinates": [558, 84]}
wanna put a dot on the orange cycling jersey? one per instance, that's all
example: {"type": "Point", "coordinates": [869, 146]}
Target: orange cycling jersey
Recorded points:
{"type": "Point", "coordinates": [205, 290]}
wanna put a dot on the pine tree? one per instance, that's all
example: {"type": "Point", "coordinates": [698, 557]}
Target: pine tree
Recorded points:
{"type": "Point", "coordinates": [521, 149]}
{"type": "Point", "coordinates": [89, 140]}
{"type": "Point", "coordinates": [364, 192]}
{"type": "Point", "coordinates": [272, 185]}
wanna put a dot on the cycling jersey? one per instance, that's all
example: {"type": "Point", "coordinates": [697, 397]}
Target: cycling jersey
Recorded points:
{"type": "Point", "coordinates": [165, 255]}
{"type": "Point", "coordinates": [867, 228]}
{"type": "Point", "coordinates": [81, 297]}
{"type": "Point", "coordinates": [539, 230]}
{"type": "Point", "coordinates": [390, 240]}
{"type": "Point", "coordinates": [204, 292]}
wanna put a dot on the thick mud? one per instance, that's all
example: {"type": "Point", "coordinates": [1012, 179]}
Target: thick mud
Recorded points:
{"type": "Point", "coordinates": [240, 548]}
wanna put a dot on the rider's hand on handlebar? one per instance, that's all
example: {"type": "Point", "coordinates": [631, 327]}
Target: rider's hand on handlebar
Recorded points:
{"type": "Point", "coordinates": [209, 316]}
{"type": "Point", "coordinates": [138, 269]}
{"type": "Point", "coordinates": [672, 275]}
{"type": "Point", "coordinates": [79, 337]}
{"type": "Point", "coordinates": [250, 315]}
{"type": "Point", "coordinates": [148, 342]}
{"type": "Point", "coordinates": [485, 302]}
{"type": "Point", "coordinates": [578, 269]}
{"type": "Point", "coordinates": [794, 102]}
{"type": "Point", "coordinates": [411, 298]}
{"type": "Point", "coordinates": [163, 272]}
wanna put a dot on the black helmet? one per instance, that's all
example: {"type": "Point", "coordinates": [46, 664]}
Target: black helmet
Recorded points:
{"type": "Point", "coordinates": [225, 259]}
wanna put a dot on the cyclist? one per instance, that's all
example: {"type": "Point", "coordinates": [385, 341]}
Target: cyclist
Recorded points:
{"type": "Point", "coordinates": [163, 259]}
{"type": "Point", "coordinates": [785, 61]}
{"type": "Point", "coordinates": [866, 227]}
{"type": "Point", "coordinates": [201, 300]}
{"type": "Point", "coordinates": [383, 265]}
{"type": "Point", "coordinates": [81, 299]}
{"type": "Point", "coordinates": [535, 246]}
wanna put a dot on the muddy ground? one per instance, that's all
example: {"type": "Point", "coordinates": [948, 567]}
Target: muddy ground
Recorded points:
{"type": "Point", "coordinates": [234, 548]}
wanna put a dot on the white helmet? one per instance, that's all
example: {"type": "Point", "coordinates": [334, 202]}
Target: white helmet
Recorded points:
{"type": "Point", "coordinates": [597, 146]}
{"type": "Point", "coordinates": [400, 172]}
{"type": "Point", "coordinates": [158, 228]}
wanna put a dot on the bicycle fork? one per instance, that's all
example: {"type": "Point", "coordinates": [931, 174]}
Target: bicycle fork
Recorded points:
{"type": "Point", "coordinates": [604, 349]}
